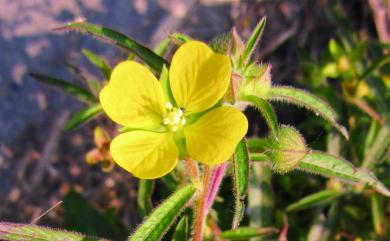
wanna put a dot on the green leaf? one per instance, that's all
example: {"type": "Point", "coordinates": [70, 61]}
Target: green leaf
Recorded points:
{"type": "Point", "coordinates": [267, 111]}
{"type": "Point", "coordinates": [378, 215]}
{"type": "Point", "coordinates": [73, 89]}
{"type": "Point", "coordinates": [335, 49]}
{"type": "Point", "coordinates": [252, 42]}
{"type": "Point", "coordinates": [331, 166]}
{"type": "Point", "coordinates": [98, 62]}
{"type": "Point", "coordinates": [261, 199]}
{"type": "Point", "coordinates": [162, 48]}
{"type": "Point", "coordinates": [113, 37]}
{"type": "Point", "coordinates": [309, 101]}
{"type": "Point", "coordinates": [241, 167]}
{"type": "Point", "coordinates": [83, 116]}
{"type": "Point", "coordinates": [30, 232]}
{"type": "Point", "coordinates": [319, 198]}
{"type": "Point", "coordinates": [182, 230]}
{"type": "Point", "coordinates": [245, 233]}
{"type": "Point", "coordinates": [374, 66]}
{"type": "Point", "coordinates": [159, 222]}
{"type": "Point", "coordinates": [145, 191]}
{"type": "Point", "coordinates": [378, 147]}
{"type": "Point", "coordinates": [81, 216]}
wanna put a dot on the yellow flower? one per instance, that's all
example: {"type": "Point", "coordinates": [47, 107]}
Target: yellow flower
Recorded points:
{"type": "Point", "coordinates": [162, 131]}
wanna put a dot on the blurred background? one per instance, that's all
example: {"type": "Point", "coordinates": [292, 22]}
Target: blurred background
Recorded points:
{"type": "Point", "coordinates": [40, 164]}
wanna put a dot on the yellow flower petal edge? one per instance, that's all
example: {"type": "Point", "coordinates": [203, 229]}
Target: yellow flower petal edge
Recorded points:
{"type": "Point", "coordinates": [133, 97]}
{"type": "Point", "coordinates": [198, 77]}
{"type": "Point", "coordinates": [213, 138]}
{"type": "Point", "coordinates": [146, 155]}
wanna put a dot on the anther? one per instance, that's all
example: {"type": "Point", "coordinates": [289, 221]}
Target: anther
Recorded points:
{"type": "Point", "coordinates": [174, 128]}
{"type": "Point", "coordinates": [180, 112]}
{"type": "Point", "coordinates": [166, 121]}
{"type": "Point", "coordinates": [169, 105]}
{"type": "Point", "coordinates": [176, 119]}
{"type": "Point", "coordinates": [183, 122]}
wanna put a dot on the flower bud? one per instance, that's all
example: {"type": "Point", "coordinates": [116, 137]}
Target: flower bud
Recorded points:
{"type": "Point", "coordinates": [101, 138]}
{"type": "Point", "coordinates": [288, 150]}
{"type": "Point", "coordinates": [257, 81]}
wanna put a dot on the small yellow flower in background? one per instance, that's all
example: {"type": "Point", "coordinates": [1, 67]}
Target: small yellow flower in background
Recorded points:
{"type": "Point", "coordinates": [162, 131]}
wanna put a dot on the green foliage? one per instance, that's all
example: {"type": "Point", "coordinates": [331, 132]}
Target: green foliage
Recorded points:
{"type": "Point", "coordinates": [331, 166]}
{"type": "Point", "coordinates": [158, 223]}
{"type": "Point", "coordinates": [83, 116]}
{"type": "Point", "coordinates": [315, 199]}
{"type": "Point", "coordinates": [182, 232]}
{"type": "Point", "coordinates": [241, 168]}
{"type": "Point", "coordinates": [267, 111]}
{"type": "Point", "coordinates": [245, 233]}
{"type": "Point", "coordinates": [82, 217]}
{"type": "Point", "coordinates": [252, 42]}
{"type": "Point", "coordinates": [30, 232]}
{"type": "Point", "coordinates": [98, 62]}
{"type": "Point", "coordinates": [309, 101]}
{"type": "Point", "coordinates": [75, 90]}
{"type": "Point", "coordinates": [115, 38]}
{"type": "Point", "coordinates": [363, 99]}
{"type": "Point", "coordinates": [145, 190]}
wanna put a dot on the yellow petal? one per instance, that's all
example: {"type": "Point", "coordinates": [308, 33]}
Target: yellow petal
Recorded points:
{"type": "Point", "coordinates": [133, 97]}
{"type": "Point", "coordinates": [213, 138]}
{"type": "Point", "coordinates": [146, 155]}
{"type": "Point", "coordinates": [198, 76]}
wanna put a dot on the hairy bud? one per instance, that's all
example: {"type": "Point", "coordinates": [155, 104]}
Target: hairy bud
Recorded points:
{"type": "Point", "coordinates": [288, 150]}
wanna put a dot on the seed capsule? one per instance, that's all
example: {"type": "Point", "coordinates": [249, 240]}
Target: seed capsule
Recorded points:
{"type": "Point", "coordinates": [286, 153]}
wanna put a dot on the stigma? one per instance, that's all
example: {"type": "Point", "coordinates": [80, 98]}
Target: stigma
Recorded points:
{"type": "Point", "coordinates": [174, 120]}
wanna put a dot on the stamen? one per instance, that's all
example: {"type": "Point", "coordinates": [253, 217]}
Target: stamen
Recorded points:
{"type": "Point", "coordinates": [180, 112]}
{"type": "Point", "coordinates": [176, 119]}
{"type": "Point", "coordinates": [183, 122]}
{"type": "Point", "coordinates": [166, 121]}
{"type": "Point", "coordinates": [169, 105]}
{"type": "Point", "coordinates": [174, 128]}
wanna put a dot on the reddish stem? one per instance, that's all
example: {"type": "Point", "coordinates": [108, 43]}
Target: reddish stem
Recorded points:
{"type": "Point", "coordinates": [212, 178]}
{"type": "Point", "coordinates": [200, 211]}
{"type": "Point", "coordinates": [215, 183]}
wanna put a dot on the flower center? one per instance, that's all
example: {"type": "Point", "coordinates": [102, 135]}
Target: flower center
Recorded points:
{"type": "Point", "coordinates": [174, 120]}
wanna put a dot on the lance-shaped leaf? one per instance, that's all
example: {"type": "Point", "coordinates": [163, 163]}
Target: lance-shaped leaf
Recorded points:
{"type": "Point", "coordinates": [378, 215]}
{"type": "Point", "coordinates": [245, 233]}
{"type": "Point", "coordinates": [159, 222]}
{"type": "Point", "coordinates": [145, 191]}
{"type": "Point", "coordinates": [267, 111]}
{"type": "Point", "coordinates": [73, 89]}
{"type": "Point", "coordinates": [375, 66]}
{"type": "Point", "coordinates": [241, 168]}
{"type": "Point", "coordinates": [98, 62]}
{"type": "Point", "coordinates": [182, 232]}
{"type": "Point", "coordinates": [113, 37]}
{"type": "Point", "coordinates": [309, 101]}
{"type": "Point", "coordinates": [29, 232]}
{"type": "Point", "coordinates": [331, 166]}
{"type": "Point", "coordinates": [83, 116]}
{"type": "Point", "coordinates": [319, 198]}
{"type": "Point", "coordinates": [252, 42]}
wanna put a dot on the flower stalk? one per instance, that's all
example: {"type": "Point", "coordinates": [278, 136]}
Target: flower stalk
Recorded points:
{"type": "Point", "coordinates": [212, 179]}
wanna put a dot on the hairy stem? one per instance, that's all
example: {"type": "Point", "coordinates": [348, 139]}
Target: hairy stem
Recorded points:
{"type": "Point", "coordinates": [193, 170]}
{"type": "Point", "coordinates": [201, 209]}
